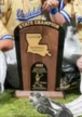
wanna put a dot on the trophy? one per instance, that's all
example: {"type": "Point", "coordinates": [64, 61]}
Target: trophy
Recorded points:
{"type": "Point", "coordinates": [39, 50]}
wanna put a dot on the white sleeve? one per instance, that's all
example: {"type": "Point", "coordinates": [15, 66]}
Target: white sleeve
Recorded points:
{"type": "Point", "coordinates": [67, 12]}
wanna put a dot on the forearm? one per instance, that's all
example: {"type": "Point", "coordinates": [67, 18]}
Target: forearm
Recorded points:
{"type": "Point", "coordinates": [52, 6]}
{"type": "Point", "coordinates": [6, 44]}
{"type": "Point", "coordinates": [48, 4]}
{"type": "Point", "coordinates": [57, 18]}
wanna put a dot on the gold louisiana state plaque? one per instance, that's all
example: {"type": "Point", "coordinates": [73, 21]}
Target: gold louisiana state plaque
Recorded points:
{"type": "Point", "coordinates": [34, 45]}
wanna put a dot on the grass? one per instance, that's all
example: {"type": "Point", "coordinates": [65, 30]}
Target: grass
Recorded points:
{"type": "Point", "coordinates": [10, 106]}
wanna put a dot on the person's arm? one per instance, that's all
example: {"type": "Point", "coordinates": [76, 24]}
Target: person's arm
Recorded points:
{"type": "Point", "coordinates": [59, 17]}
{"type": "Point", "coordinates": [64, 16]}
{"type": "Point", "coordinates": [6, 44]}
{"type": "Point", "coordinates": [6, 40]}
{"type": "Point", "coordinates": [48, 4]}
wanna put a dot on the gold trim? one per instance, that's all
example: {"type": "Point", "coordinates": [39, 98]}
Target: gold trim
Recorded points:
{"type": "Point", "coordinates": [38, 22]}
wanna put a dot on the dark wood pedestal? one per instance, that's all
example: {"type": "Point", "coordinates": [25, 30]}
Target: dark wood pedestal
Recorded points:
{"type": "Point", "coordinates": [39, 56]}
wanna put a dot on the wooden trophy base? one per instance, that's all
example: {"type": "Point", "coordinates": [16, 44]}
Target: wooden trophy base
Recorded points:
{"type": "Point", "coordinates": [50, 94]}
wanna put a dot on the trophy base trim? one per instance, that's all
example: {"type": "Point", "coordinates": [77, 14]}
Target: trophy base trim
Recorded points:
{"type": "Point", "coordinates": [51, 94]}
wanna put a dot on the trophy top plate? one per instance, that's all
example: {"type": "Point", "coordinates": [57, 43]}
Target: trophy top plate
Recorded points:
{"type": "Point", "coordinates": [38, 22]}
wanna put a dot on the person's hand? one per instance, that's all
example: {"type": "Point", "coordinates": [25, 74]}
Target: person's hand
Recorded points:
{"type": "Point", "coordinates": [48, 4]}
{"type": "Point", "coordinates": [79, 63]}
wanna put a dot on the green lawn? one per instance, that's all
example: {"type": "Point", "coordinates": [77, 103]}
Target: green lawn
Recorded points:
{"type": "Point", "coordinates": [10, 106]}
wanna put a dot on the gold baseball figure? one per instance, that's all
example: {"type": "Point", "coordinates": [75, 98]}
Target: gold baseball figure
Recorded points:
{"type": "Point", "coordinates": [37, 81]}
